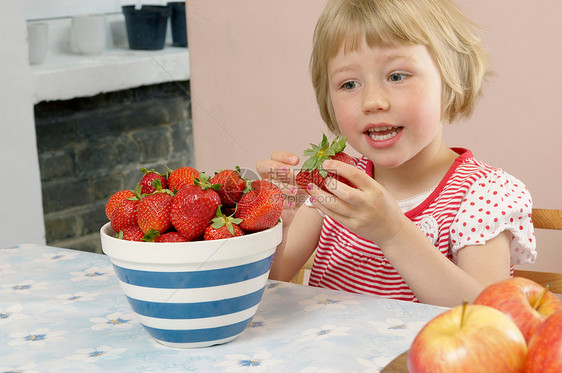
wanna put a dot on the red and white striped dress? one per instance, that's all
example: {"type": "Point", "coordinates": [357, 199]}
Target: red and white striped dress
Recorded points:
{"type": "Point", "coordinates": [472, 204]}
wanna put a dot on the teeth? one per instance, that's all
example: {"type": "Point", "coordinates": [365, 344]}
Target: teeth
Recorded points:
{"type": "Point", "coordinates": [373, 133]}
{"type": "Point", "coordinates": [383, 137]}
{"type": "Point", "coordinates": [380, 129]}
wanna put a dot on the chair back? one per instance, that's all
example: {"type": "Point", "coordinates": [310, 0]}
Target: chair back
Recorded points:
{"type": "Point", "coordinates": [545, 219]}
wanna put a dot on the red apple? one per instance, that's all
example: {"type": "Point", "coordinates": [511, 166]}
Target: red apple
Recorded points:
{"type": "Point", "coordinates": [545, 347]}
{"type": "Point", "coordinates": [468, 338]}
{"type": "Point", "coordinates": [526, 302]}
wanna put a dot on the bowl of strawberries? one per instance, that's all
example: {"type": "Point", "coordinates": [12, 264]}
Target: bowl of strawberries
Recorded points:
{"type": "Point", "coordinates": [192, 253]}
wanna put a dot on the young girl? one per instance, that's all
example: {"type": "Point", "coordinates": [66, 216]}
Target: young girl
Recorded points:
{"type": "Point", "coordinates": [426, 222]}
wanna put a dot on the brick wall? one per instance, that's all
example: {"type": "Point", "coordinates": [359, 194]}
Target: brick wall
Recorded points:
{"type": "Point", "coordinates": [90, 148]}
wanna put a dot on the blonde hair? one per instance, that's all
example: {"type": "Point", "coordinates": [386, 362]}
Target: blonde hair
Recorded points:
{"type": "Point", "coordinates": [438, 24]}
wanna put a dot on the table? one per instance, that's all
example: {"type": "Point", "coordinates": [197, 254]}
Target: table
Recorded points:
{"type": "Point", "coordinates": [62, 310]}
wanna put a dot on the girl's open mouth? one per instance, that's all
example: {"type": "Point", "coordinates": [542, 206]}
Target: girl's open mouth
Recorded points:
{"type": "Point", "coordinates": [383, 133]}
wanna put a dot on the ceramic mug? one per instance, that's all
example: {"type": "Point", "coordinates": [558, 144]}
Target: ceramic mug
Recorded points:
{"type": "Point", "coordinates": [88, 32]}
{"type": "Point", "coordinates": [38, 42]}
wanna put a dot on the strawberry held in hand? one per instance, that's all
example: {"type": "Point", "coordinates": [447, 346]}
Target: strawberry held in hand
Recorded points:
{"type": "Point", "coordinates": [261, 207]}
{"type": "Point", "coordinates": [194, 206]}
{"type": "Point", "coordinates": [312, 170]}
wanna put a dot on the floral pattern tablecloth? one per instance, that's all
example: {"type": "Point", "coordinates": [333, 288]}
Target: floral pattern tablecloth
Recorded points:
{"type": "Point", "coordinates": [63, 311]}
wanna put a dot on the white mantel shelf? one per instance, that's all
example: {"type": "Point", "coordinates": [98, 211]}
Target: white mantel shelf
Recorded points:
{"type": "Point", "coordinates": [67, 76]}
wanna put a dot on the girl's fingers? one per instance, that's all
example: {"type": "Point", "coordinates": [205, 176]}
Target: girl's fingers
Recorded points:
{"type": "Point", "coordinates": [293, 196]}
{"type": "Point", "coordinates": [329, 203]}
{"type": "Point", "coordinates": [343, 191]}
{"type": "Point", "coordinates": [274, 170]}
{"type": "Point", "coordinates": [352, 196]}
{"type": "Point", "coordinates": [285, 157]}
{"type": "Point", "coordinates": [278, 167]}
{"type": "Point", "coordinates": [359, 178]}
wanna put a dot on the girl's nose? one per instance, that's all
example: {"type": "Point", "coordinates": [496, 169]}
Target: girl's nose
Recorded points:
{"type": "Point", "coordinates": [376, 99]}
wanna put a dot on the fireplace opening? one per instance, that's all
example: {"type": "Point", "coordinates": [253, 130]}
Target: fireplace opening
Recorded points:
{"type": "Point", "coordinates": [91, 147]}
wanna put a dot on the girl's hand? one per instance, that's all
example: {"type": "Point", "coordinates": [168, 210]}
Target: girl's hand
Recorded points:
{"type": "Point", "coordinates": [369, 211]}
{"type": "Point", "coordinates": [279, 170]}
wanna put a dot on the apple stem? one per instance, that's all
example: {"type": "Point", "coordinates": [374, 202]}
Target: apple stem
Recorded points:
{"type": "Point", "coordinates": [464, 304]}
{"type": "Point", "coordinates": [541, 295]}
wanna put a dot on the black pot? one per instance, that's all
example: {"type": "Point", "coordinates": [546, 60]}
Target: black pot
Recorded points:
{"type": "Point", "coordinates": [178, 23]}
{"type": "Point", "coordinates": [146, 27]}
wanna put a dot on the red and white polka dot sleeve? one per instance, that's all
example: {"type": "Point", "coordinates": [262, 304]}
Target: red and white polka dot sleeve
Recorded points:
{"type": "Point", "coordinates": [495, 203]}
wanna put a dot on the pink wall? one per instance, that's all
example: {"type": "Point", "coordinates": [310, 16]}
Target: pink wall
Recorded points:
{"type": "Point", "coordinates": [252, 94]}
{"type": "Point", "coordinates": [250, 82]}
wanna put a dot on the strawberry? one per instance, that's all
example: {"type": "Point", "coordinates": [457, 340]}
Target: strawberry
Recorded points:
{"type": "Point", "coordinates": [194, 206]}
{"type": "Point", "coordinates": [125, 214]}
{"type": "Point", "coordinates": [154, 236]}
{"type": "Point", "coordinates": [312, 170]}
{"type": "Point", "coordinates": [223, 226]}
{"type": "Point", "coordinates": [261, 207]}
{"type": "Point", "coordinates": [180, 177]}
{"type": "Point", "coordinates": [171, 237]}
{"type": "Point", "coordinates": [147, 186]}
{"type": "Point", "coordinates": [232, 186]}
{"type": "Point", "coordinates": [154, 210]}
{"type": "Point", "coordinates": [132, 233]}
{"type": "Point", "coordinates": [116, 199]}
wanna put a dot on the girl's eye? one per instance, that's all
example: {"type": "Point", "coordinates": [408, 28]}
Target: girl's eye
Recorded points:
{"type": "Point", "coordinates": [349, 85]}
{"type": "Point", "coordinates": [396, 77]}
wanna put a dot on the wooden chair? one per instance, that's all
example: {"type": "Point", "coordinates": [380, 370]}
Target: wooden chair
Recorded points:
{"type": "Point", "coordinates": [542, 219]}
{"type": "Point", "coordinates": [545, 219]}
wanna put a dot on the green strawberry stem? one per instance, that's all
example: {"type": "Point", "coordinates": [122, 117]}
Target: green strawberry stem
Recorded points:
{"type": "Point", "coordinates": [137, 194]}
{"type": "Point", "coordinates": [168, 172]}
{"type": "Point", "coordinates": [221, 220]}
{"type": "Point", "coordinates": [151, 235]}
{"type": "Point", "coordinates": [157, 184]}
{"type": "Point", "coordinates": [322, 152]}
{"type": "Point", "coordinates": [203, 182]}
{"type": "Point", "coordinates": [151, 171]}
{"type": "Point", "coordinates": [236, 168]}
{"type": "Point", "coordinates": [248, 186]}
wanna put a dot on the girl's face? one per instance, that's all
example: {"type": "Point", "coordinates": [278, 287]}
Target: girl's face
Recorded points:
{"type": "Point", "coordinates": [387, 101]}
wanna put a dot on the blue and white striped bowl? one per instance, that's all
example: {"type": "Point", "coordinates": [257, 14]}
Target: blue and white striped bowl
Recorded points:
{"type": "Point", "coordinates": [193, 294]}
